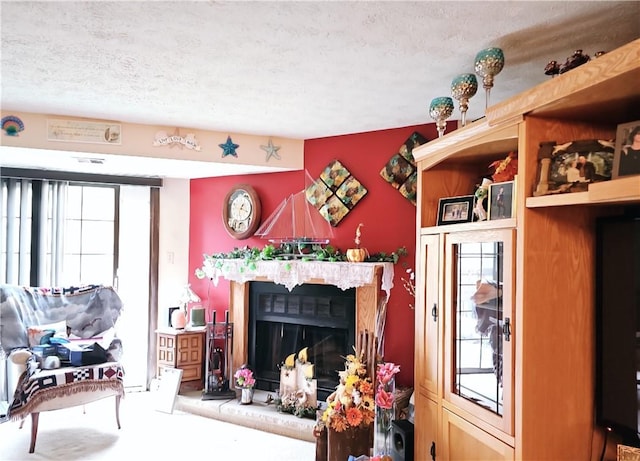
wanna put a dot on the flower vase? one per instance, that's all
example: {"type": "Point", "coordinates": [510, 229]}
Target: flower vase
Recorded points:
{"type": "Point", "coordinates": [382, 437]}
{"type": "Point", "coordinates": [246, 396]}
{"type": "Point", "coordinates": [353, 441]}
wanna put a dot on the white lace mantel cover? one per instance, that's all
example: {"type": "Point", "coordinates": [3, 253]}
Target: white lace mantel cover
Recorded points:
{"type": "Point", "coordinates": [290, 273]}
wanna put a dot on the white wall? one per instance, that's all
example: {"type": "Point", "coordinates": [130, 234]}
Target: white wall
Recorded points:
{"type": "Point", "coordinates": [174, 245]}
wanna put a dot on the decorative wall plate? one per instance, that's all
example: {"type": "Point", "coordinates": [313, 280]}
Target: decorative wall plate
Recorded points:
{"type": "Point", "coordinates": [400, 170]}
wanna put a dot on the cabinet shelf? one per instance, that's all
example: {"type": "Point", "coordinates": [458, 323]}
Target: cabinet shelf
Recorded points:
{"type": "Point", "coordinates": [470, 226]}
{"type": "Point", "coordinates": [621, 191]}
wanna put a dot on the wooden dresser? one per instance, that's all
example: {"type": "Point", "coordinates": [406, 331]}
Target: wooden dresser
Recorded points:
{"type": "Point", "coordinates": [182, 349]}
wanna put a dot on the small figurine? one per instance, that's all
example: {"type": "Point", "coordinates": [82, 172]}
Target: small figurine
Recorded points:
{"type": "Point", "coordinates": [575, 60]}
{"type": "Point", "coordinates": [552, 68]}
{"type": "Point", "coordinates": [481, 199]}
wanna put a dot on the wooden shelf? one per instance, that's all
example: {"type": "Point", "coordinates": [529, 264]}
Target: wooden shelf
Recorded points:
{"type": "Point", "coordinates": [477, 140]}
{"type": "Point", "coordinates": [470, 226]}
{"type": "Point", "coordinates": [615, 192]}
{"type": "Point", "coordinates": [571, 198]}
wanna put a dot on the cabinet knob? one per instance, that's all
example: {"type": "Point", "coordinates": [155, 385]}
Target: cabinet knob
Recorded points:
{"type": "Point", "coordinates": [434, 312]}
{"type": "Point", "coordinates": [432, 452]}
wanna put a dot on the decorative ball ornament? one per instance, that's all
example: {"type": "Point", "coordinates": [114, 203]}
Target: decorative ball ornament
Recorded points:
{"type": "Point", "coordinates": [440, 110]}
{"type": "Point", "coordinates": [463, 88]}
{"type": "Point", "coordinates": [489, 62]}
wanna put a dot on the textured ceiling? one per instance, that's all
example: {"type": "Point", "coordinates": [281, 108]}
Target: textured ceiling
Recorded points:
{"type": "Point", "coordinates": [290, 69]}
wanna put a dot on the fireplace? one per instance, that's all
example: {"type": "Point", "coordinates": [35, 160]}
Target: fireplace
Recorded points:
{"type": "Point", "coordinates": [281, 322]}
{"type": "Point", "coordinates": [370, 281]}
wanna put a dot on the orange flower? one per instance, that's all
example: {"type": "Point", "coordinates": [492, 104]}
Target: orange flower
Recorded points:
{"type": "Point", "coordinates": [354, 417]}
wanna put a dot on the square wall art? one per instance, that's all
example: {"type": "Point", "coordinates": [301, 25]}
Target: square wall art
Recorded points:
{"type": "Point", "coordinates": [335, 193]}
{"type": "Point", "coordinates": [400, 170]}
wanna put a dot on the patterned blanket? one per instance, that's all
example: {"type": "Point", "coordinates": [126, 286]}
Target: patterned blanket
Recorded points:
{"type": "Point", "coordinates": [88, 310]}
{"type": "Point", "coordinates": [45, 385]}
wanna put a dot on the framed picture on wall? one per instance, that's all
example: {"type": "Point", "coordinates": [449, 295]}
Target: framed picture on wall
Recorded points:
{"type": "Point", "coordinates": [455, 210]}
{"type": "Point", "coordinates": [626, 157]}
{"type": "Point", "coordinates": [502, 203]}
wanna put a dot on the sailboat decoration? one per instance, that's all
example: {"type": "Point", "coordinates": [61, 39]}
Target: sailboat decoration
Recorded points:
{"type": "Point", "coordinates": [297, 225]}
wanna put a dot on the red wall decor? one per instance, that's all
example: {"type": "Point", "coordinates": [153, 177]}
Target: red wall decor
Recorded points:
{"type": "Point", "coordinates": [388, 218]}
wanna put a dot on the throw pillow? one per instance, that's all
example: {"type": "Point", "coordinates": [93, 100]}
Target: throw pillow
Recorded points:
{"type": "Point", "coordinates": [36, 333]}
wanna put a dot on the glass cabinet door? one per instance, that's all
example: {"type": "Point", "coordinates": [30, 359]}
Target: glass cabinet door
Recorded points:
{"type": "Point", "coordinates": [479, 342]}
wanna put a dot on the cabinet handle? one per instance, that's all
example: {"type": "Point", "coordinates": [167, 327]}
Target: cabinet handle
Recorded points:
{"type": "Point", "coordinates": [506, 329]}
{"type": "Point", "coordinates": [434, 312]}
{"type": "Point", "coordinates": [433, 451]}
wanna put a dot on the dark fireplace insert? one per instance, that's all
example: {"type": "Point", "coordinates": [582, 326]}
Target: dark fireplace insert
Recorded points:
{"type": "Point", "coordinates": [282, 322]}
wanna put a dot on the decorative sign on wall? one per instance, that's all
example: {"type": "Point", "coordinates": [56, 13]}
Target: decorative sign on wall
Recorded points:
{"type": "Point", "coordinates": [335, 193]}
{"type": "Point", "coordinates": [229, 148]}
{"type": "Point", "coordinates": [189, 141]}
{"type": "Point", "coordinates": [81, 131]}
{"type": "Point", "coordinates": [400, 170]}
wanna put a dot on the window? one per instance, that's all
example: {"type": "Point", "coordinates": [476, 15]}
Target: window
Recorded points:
{"type": "Point", "coordinates": [90, 235]}
{"type": "Point", "coordinates": [58, 234]}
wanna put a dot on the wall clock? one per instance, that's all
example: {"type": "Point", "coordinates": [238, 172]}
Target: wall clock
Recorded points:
{"type": "Point", "coordinates": [241, 211]}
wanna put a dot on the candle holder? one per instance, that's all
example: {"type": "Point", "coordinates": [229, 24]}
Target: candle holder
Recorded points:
{"type": "Point", "coordinates": [463, 88]}
{"type": "Point", "coordinates": [440, 110]}
{"type": "Point", "coordinates": [489, 62]}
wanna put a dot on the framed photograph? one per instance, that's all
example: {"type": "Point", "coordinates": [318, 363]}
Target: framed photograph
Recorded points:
{"type": "Point", "coordinates": [455, 210]}
{"type": "Point", "coordinates": [572, 166]}
{"type": "Point", "coordinates": [626, 159]}
{"type": "Point", "coordinates": [502, 203]}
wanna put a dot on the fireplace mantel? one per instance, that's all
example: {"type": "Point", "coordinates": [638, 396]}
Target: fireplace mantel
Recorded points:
{"type": "Point", "coordinates": [344, 275]}
{"type": "Point", "coordinates": [369, 279]}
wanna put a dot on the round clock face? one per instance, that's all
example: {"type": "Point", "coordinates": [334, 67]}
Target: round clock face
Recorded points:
{"type": "Point", "coordinates": [241, 212]}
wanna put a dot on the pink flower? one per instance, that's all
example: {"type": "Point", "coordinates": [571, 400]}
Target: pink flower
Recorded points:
{"type": "Point", "coordinates": [244, 377]}
{"type": "Point", "coordinates": [386, 372]}
{"type": "Point", "coordinates": [384, 399]}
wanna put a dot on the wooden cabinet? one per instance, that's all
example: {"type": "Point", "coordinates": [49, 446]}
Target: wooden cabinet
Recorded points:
{"type": "Point", "coordinates": [185, 350]}
{"type": "Point", "coordinates": [543, 405]}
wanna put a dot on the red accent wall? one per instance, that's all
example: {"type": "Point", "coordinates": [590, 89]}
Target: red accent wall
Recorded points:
{"type": "Point", "coordinates": [389, 222]}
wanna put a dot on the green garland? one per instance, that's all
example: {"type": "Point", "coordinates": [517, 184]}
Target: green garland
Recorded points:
{"type": "Point", "coordinates": [299, 252]}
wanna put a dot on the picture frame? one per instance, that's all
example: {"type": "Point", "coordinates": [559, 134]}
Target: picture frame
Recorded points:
{"type": "Point", "coordinates": [502, 203]}
{"type": "Point", "coordinates": [572, 166]}
{"type": "Point", "coordinates": [626, 158]}
{"type": "Point", "coordinates": [455, 210]}
{"type": "Point", "coordinates": [168, 388]}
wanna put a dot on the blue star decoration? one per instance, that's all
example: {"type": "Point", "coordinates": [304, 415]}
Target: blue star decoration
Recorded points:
{"type": "Point", "coordinates": [229, 148]}
{"type": "Point", "coordinates": [271, 150]}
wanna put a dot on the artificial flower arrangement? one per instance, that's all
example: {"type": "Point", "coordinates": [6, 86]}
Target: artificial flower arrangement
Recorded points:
{"type": "Point", "coordinates": [352, 403]}
{"type": "Point", "coordinates": [505, 170]}
{"type": "Point", "coordinates": [409, 283]}
{"type": "Point", "coordinates": [385, 397]}
{"type": "Point", "coordinates": [244, 377]}
{"type": "Point", "coordinates": [385, 409]}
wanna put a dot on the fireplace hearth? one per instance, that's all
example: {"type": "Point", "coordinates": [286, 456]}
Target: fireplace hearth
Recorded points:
{"type": "Point", "coordinates": [281, 322]}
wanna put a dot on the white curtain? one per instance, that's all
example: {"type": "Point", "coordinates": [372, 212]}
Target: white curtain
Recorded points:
{"type": "Point", "coordinates": [25, 202]}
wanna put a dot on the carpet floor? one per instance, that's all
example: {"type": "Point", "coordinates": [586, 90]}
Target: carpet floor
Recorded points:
{"type": "Point", "coordinates": [146, 433]}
